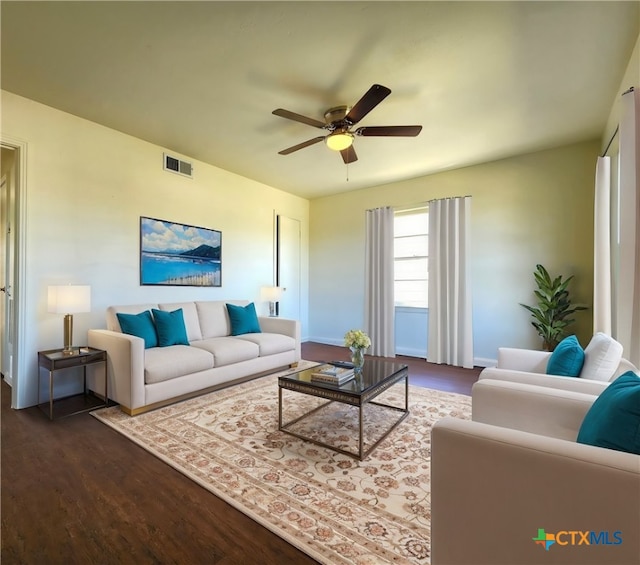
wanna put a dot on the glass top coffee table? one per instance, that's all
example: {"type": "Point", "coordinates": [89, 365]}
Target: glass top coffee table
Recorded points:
{"type": "Point", "coordinates": [376, 377]}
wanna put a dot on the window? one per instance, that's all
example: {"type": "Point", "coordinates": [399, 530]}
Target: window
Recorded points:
{"type": "Point", "coordinates": [411, 254]}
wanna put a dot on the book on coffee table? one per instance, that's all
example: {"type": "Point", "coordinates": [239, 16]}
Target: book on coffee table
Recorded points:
{"type": "Point", "coordinates": [332, 374]}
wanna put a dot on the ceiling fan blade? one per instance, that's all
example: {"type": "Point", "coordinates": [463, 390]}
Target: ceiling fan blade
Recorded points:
{"type": "Point", "coordinates": [349, 155]}
{"type": "Point", "coordinates": [376, 94]}
{"type": "Point", "coordinates": [389, 131]}
{"type": "Point", "coordinates": [300, 145]}
{"type": "Point", "coordinates": [298, 118]}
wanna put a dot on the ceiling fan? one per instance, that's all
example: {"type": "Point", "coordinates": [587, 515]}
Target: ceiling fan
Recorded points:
{"type": "Point", "coordinates": [339, 120]}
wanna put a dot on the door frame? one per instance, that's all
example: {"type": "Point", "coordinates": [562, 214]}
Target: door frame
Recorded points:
{"type": "Point", "coordinates": [18, 222]}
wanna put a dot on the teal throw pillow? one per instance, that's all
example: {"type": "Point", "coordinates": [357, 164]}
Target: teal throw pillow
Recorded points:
{"type": "Point", "coordinates": [613, 421]}
{"type": "Point", "coordinates": [244, 319]}
{"type": "Point", "coordinates": [140, 325]}
{"type": "Point", "coordinates": [567, 358]}
{"type": "Point", "coordinates": [170, 327]}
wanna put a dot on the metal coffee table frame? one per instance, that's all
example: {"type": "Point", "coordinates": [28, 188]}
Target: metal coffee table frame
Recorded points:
{"type": "Point", "coordinates": [354, 398]}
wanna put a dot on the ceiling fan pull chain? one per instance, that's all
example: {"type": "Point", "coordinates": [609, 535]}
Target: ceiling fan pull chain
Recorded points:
{"type": "Point", "coordinates": [347, 172]}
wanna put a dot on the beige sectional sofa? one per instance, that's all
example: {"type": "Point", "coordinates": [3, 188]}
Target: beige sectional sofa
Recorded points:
{"type": "Point", "coordinates": [143, 379]}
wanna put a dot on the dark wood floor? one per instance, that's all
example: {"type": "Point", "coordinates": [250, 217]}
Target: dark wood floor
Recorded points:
{"type": "Point", "coordinates": [76, 491]}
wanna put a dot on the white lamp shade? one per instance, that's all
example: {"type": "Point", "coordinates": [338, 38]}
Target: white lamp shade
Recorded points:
{"type": "Point", "coordinates": [69, 299]}
{"type": "Point", "coordinates": [272, 293]}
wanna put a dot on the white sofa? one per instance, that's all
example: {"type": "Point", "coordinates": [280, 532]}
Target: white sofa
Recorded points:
{"type": "Point", "coordinates": [142, 379]}
{"type": "Point", "coordinates": [515, 469]}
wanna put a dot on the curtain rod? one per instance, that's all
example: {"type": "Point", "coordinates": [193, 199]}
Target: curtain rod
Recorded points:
{"type": "Point", "coordinates": [630, 89]}
{"type": "Point", "coordinates": [610, 141]}
{"type": "Point", "coordinates": [449, 198]}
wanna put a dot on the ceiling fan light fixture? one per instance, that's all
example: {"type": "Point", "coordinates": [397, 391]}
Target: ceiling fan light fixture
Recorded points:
{"type": "Point", "coordinates": [339, 120]}
{"type": "Point", "coordinates": [339, 140]}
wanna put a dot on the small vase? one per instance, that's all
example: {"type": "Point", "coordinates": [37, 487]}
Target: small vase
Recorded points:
{"type": "Point", "coordinates": [357, 357]}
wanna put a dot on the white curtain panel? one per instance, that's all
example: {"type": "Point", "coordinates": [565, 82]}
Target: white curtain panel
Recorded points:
{"type": "Point", "coordinates": [628, 306]}
{"type": "Point", "coordinates": [602, 248]}
{"type": "Point", "coordinates": [450, 321]}
{"type": "Point", "coordinates": [379, 302]}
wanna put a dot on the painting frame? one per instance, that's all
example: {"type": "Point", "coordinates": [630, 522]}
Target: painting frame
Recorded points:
{"type": "Point", "coordinates": [176, 254]}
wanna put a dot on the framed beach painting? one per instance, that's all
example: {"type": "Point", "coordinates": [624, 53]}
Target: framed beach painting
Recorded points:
{"type": "Point", "coordinates": [179, 254]}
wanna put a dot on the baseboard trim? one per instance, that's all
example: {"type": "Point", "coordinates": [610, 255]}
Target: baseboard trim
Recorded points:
{"type": "Point", "coordinates": [326, 341]}
{"type": "Point", "coordinates": [407, 352]}
{"type": "Point", "coordinates": [484, 362]}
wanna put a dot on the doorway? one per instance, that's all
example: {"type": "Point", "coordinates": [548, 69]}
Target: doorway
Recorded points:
{"type": "Point", "coordinates": [11, 198]}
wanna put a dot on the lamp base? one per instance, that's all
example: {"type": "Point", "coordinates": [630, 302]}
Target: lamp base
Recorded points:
{"type": "Point", "coordinates": [68, 335]}
{"type": "Point", "coordinates": [272, 310]}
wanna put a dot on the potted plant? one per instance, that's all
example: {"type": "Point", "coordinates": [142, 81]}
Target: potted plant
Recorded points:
{"type": "Point", "coordinates": [551, 315]}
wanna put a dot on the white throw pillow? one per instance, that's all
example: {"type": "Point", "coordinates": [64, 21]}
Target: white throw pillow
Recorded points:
{"type": "Point", "coordinates": [601, 358]}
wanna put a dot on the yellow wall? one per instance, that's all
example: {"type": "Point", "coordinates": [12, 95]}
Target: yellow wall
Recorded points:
{"type": "Point", "coordinates": [536, 208]}
{"type": "Point", "coordinates": [631, 78]}
{"type": "Point", "coordinates": [86, 188]}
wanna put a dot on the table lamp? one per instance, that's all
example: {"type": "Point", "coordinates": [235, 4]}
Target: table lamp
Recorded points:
{"type": "Point", "coordinates": [68, 300]}
{"type": "Point", "coordinates": [272, 294]}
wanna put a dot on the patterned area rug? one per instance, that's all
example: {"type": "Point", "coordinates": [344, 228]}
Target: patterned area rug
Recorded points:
{"type": "Point", "coordinates": [333, 507]}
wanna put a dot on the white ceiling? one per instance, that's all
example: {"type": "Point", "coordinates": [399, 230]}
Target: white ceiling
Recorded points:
{"type": "Point", "coordinates": [486, 80]}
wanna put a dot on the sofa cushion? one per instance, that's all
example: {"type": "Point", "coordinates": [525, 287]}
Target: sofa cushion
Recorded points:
{"type": "Point", "coordinates": [243, 319]}
{"type": "Point", "coordinates": [567, 358]}
{"type": "Point", "coordinates": [228, 350]}
{"type": "Point", "coordinates": [270, 344]}
{"type": "Point", "coordinates": [613, 421]}
{"type": "Point", "coordinates": [601, 358]}
{"type": "Point", "coordinates": [164, 363]}
{"type": "Point", "coordinates": [190, 314]}
{"type": "Point", "coordinates": [170, 328]}
{"type": "Point", "coordinates": [213, 317]}
{"type": "Point", "coordinates": [140, 325]}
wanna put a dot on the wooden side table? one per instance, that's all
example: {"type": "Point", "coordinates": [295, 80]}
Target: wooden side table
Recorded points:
{"type": "Point", "coordinates": [55, 360]}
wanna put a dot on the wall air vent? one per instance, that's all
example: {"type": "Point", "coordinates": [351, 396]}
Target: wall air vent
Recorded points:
{"type": "Point", "coordinates": [176, 165]}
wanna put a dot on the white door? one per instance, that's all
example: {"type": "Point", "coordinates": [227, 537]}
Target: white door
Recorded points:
{"type": "Point", "coordinates": [288, 266]}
